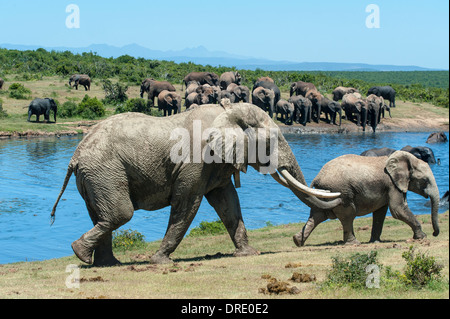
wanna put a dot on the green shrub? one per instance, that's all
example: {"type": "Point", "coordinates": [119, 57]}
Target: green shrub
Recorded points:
{"type": "Point", "coordinates": [91, 108]}
{"type": "Point", "coordinates": [3, 113]}
{"type": "Point", "coordinates": [351, 271]}
{"type": "Point", "coordinates": [208, 228]}
{"type": "Point", "coordinates": [114, 93]}
{"type": "Point", "coordinates": [18, 91]}
{"type": "Point", "coordinates": [134, 105]}
{"type": "Point", "coordinates": [420, 268]}
{"type": "Point", "coordinates": [127, 239]}
{"type": "Point", "coordinates": [68, 109]}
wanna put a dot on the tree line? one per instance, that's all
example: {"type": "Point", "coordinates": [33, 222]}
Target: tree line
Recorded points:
{"type": "Point", "coordinates": [415, 86]}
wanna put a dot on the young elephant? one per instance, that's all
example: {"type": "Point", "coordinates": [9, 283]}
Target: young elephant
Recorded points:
{"type": "Point", "coordinates": [286, 111]}
{"type": "Point", "coordinates": [169, 101]}
{"type": "Point", "coordinates": [372, 185]}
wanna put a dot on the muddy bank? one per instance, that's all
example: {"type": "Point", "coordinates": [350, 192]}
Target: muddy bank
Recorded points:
{"type": "Point", "coordinates": [387, 125]}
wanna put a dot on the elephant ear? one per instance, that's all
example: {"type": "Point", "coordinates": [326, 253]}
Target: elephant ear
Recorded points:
{"type": "Point", "coordinates": [398, 168]}
{"type": "Point", "coordinates": [168, 99]}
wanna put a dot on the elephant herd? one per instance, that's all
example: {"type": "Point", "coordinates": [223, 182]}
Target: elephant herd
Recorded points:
{"type": "Point", "coordinates": [304, 105]}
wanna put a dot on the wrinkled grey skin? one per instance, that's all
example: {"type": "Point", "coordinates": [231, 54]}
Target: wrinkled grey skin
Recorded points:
{"type": "Point", "coordinates": [374, 152]}
{"type": "Point", "coordinates": [198, 98]}
{"type": "Point", "coordinates": [286, 110]}
{"type": "Point", "coordinates": [202, 78]}
{"type": "Point", "coordinates": [302, 109]}
{"type": "Point", "coordinates": [153, 88]}
{"type": "Point", "coordinates": [423, 153]}
{"type": "Point", "coordinates": [83, 80]}
{"type": "Point", "coordinates": [301, 88]}
{"type": "Point", "coordinates": [168, 102]}
{"type": "Point", "coordinates": [265, 99]}
{"type": "Point", "coordinates": [227, 78]}
{"type": "Point", "coordinates": [240, 93]}
{"type": "Point", "coordinates": [271, 86]}
{"type": "Point", "coordinates": [340, 91]}
{"type": "Point", "coordinates": [372, 185]}
{"type": "Point", "coordinates": [437, 137]}
{"type": "Point", "coordinates": [124, 164]}
{"type": "Point", "coordinates": [73, 78]}
{"type": "Point", "coordinates": [42, 106]}
{"type": "Point", "coordinates": [353, 104]}
{"type": "Point", "coordinates": [385, 92]}
{"type": "Point", "coordinates": [331, 109]}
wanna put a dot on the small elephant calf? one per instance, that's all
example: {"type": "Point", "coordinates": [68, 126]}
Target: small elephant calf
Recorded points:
{"type": "Point", "coordinates": [372, 185]}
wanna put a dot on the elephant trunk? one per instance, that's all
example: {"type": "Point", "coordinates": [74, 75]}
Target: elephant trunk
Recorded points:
{"type": "Point", "coordinates": [340, 116]}
{"type": "Point", "coordinates": [292, 177]}
{"type": "Point", "coordinates": [433, 193]}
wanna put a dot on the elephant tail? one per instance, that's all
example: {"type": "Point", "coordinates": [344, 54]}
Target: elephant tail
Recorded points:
{"type": "Point", "coordinates": [66, 181]}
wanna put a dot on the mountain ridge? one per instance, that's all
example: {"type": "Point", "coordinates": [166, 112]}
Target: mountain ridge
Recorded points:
{"type": "Point", "coordinates": [201, 55]}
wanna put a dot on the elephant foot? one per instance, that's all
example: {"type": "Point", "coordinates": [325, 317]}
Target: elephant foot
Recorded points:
{"type": "Point", "coordinates": [83, 252]}
{"type": "Point", "coordinates": [419, 235]}
{"type": "Point", "coordinates": [160, 258]}
{"type": "Point", "coordinates": [352, 242]}
{"type": "Point", "coordinates": [101, 260]}
{"type": "Point", "coordinates": [245, 251]}
{"type": "Point", "coordinates": [298, 239]}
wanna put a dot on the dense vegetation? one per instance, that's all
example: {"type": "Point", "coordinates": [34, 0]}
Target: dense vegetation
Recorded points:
{"type": "Point", "coordinates": [423, 86]}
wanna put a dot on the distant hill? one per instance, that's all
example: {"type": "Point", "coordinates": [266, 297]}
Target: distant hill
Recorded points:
{"type": "Point", "coordinates": [201, 55]}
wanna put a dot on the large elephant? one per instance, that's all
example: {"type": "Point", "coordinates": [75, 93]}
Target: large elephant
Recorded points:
{"type": "Point", "coordinates": [386, 92]}
{"type": "Point", "coordinates": [153, 88]}
{"type": "Point", "coordinates": [301, 88]}
{"type": "Point", "coordinates": [353, 104]}
{"type": "Point", "coordinates": [240, 93]}
{"type": "Point", "coordinates": [423, 153]}
{"type": "Point", "coordinates": [286, 110]}
{"type": "Point", "coordinates": [340, 91]}
{"type": "Point", "coordinates": [83, 80]}
{"type": "Point", "coordinates": [372, 185]}
{"type": "Point", "coordinates": [1, 83]}
{"type": "Point", "coordinates": [73, 78]}
{"type": "Point", "coordinates": [265, 99]}
{"type": "Point", "coordinates": [302, 109]}
{"type": "Point", "coordinates": [227, 78]}
{"type": "Point", "coordinates": [169, 101]}
{"type": "Point", "coordinates": [210, 78]}
{"type": "Point", "coordinates": [271, 86]}
{"type": "Point", "coordinates": [42, 106]}
{"type": "Point", "coordinates": [374, 108]}
{"type": "Point", "coordinates": [133, 161]}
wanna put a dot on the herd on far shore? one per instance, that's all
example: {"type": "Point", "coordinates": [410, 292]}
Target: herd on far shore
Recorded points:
{"type": "Point", "coordinates": [305, 104]}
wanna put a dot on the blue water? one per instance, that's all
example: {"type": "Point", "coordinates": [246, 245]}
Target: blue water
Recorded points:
{"type": "Point", "coordinates": [32, 172]}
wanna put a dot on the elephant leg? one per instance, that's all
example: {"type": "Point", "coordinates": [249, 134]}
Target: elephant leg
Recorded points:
{"type": "Point", "coordinates": [225, 201]}
{"type": "Point", "coordinates": [400, 210]}
{"type": "Point", "coordinates": [181, 215]}
{"type": "Point", "coordinates": [315, 218]}
{"type": "Point", "coordinates": [346, 216]}
{"type": "Point", "coordinates": [378, 217]}
{"type": "Point", "coordinates": [106, 218]}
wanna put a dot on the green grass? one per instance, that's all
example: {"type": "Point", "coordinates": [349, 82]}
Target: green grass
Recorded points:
{"type": "Point", "coordinates": [204, 267]}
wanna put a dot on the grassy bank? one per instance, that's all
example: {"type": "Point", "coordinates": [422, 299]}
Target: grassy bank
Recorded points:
{"type": "Point", "coordinates": [407, 115]}
{"type": "Point", "coordinates": [204, 267]}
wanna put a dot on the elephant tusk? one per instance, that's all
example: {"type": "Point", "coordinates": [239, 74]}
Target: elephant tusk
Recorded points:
{"type": "Point", "coordinates": [280, 179]}
{"type": "Point", "coordinates": [320, 193]}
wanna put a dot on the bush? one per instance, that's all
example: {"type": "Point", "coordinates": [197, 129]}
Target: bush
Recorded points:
{"type": "Point", "coordinates": [91, 108]}
{"type": "Point", "coordinates": [420, 269]}
{"type": "Point", "coordinates": [134, 105]}
{"type": "Point", "coordinates": [114, 93]}
{"type": "Point", "coordinates": [68, 109]}
{"type": "Point", "coordinates": [208, 228]}
{"type": "Point", "coordinates": [18, 91]}
{"type": "Point", "coordinates": [3, 113]}
{"type": "Point", "coordinates": [127, 239]}
{"type": "Point", "coordinates": [352, 271]}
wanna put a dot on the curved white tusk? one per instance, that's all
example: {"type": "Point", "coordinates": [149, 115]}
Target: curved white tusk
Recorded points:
{"type": "Point", "coordinates": [280, 179]}
{"type": "Point", "coordinates": [305, 189]}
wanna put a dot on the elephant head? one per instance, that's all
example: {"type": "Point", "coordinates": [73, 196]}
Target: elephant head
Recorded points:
{"type": "Point", "coordinates": [253, 134]}
{"type": "Point", "coordinates": [241, 93]}
{"type": "Point", "coordinates": [265, 99]}
{"type": "Point", "coordinates": [409, 173]}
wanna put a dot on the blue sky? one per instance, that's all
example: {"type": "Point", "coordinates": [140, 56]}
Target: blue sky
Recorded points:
{"type": "Point", "coordinates": [411, 32]}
